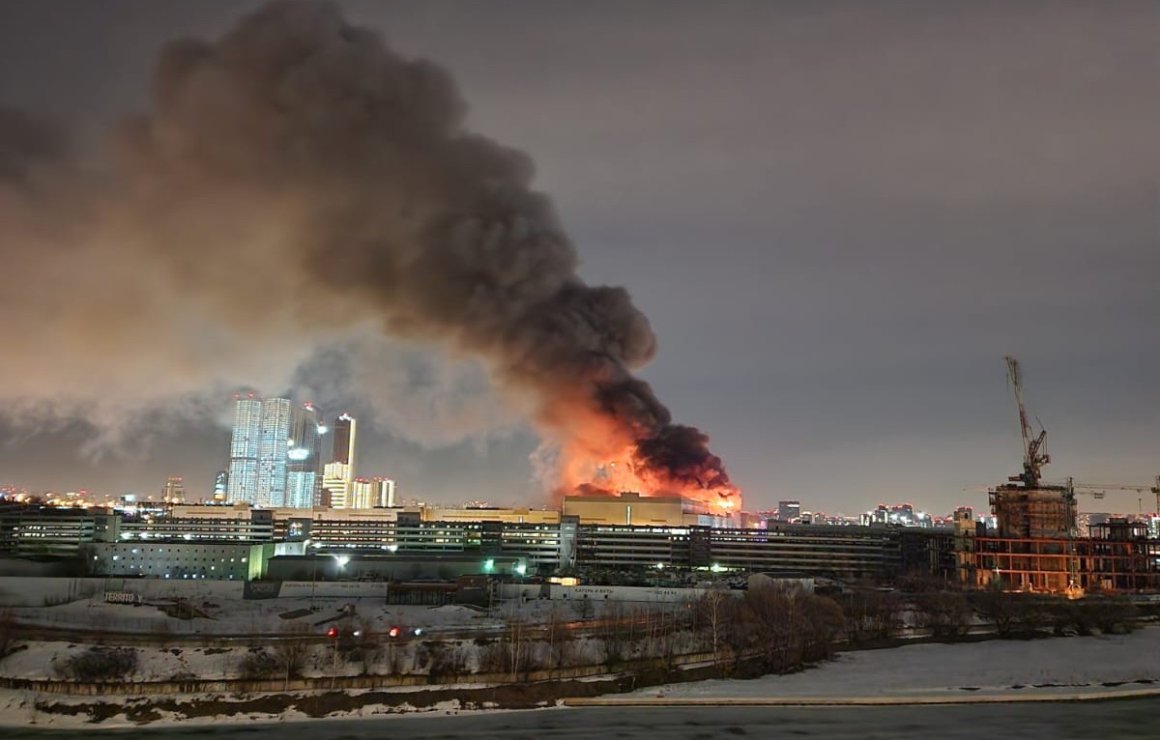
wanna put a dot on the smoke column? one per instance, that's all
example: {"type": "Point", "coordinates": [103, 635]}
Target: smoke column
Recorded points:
{"type": "Point", "coordinates": [297, 177]}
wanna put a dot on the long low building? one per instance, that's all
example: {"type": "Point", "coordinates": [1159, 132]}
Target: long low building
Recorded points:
{"type": "Point", "coordinates": [168, 544]}
{"type": "Point", "coordinates": [48, 531]}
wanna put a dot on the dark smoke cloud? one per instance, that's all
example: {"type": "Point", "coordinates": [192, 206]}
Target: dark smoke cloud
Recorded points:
{"type": "Point", "coordinates": [295, 180]}
{"type": "Point", "coordinates": [25, 145]}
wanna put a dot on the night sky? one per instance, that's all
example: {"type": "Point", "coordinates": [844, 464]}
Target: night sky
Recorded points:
{"type": "Point", "coordinates": [838, 218]}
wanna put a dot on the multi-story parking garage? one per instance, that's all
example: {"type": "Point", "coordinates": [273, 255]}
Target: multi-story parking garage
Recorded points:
{"type": "Point", "coordinates": [542, 544]}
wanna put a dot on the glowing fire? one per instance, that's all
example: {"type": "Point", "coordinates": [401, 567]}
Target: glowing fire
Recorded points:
{"type": "Point", "coordinates": [602, 459]}
{"type": "Point", "coordinates": [612, 436]}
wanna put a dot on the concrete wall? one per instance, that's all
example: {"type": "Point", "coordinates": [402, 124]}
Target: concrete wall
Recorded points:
{"type": "Point", "coordinates": [47, 591]}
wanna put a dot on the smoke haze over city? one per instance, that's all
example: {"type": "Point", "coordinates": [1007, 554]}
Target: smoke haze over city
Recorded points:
{"type": "Point", "coordinates": [836, 219]}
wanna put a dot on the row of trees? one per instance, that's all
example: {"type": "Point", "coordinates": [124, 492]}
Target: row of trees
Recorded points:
{"type": "Point", "coordinates": [781, 627]}
{"type": "Point", "coordinates": [873, 615]}
{"type": "Point", "coordinates": [772, 627]}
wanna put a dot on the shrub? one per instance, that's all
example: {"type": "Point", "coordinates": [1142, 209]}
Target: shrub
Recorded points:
{"type": "Point", "coordinates": [291, 651]}
{"type": "Point", "coordinates": [447, 661]}
{"type": "Point", "coordinates": [871, 614]}
{"type": "Point", "coordinates": [495, 658]}
{"type": "Point", "coordinates": [98, 664]}
{"type": "Point", "coordinates": [259, 664]}
{"type": "Point", "coordinates": [1113, 616]}
{"type": "Point", "coordinates": [946, 613]}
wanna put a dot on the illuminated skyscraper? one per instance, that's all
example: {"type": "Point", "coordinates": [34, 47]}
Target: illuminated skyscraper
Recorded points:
{"type": "Point", "coordinates": [258, 452]}
{"type": "Point", "coordinates": [304, 479]}
{"type": "Point", "coordinates": [344, 439]}
{"type": "Point", "coordinates": [272, 452]}
{"type": "Point", "coordinates": [242, 485]}
{"type": "Point", "coordinates": [338, 475]}
{"type": "Point", "coordinates": [174, 490]}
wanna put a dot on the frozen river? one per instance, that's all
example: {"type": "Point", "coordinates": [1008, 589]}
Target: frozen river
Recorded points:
{"type": "Point", "coordinates": [1133, 718]}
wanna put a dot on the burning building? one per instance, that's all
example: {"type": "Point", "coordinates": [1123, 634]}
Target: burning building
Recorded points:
{"type": "Point", "coordinates": [298, 149]}
{"type": "Point", "coordinates": [633, 509]}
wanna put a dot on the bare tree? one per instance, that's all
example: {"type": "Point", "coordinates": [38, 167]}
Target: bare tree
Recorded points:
{"type": "Point", "coordinates": [7, 632]}
{"type": "Point", "coordinates": [712, 608]}
{"type": "Point", "coordinates": [871, 614]}
{"type": "Point", "coordinates": [366, 645]}
{"type": "Point", "coordinates": [394, 659]}
{"type": "Point", "coordinates": [517, 644]}
{"type": "Point", "coordinates": [946, 613]}
{"type": "Point", "coordinates": [614, 634]}
{"type": "Point", "coordinates": [291, 650]}
{"type": "Point", "coordinates": [558, 636]}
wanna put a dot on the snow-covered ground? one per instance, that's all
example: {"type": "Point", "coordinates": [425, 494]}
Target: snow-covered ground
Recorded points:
{"type": "Point", "coordinates": [1076, 665]}
{"type": "Point", "coordinates": [17, 709]}
{"type": "Point", "coordinates": [1059, 665]}
{"type": "Point", "coordinates": [248, 617]}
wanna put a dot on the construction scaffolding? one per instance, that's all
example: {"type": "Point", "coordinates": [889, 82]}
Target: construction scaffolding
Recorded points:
{"type": "Point", "coordinates": [1122, 561]}
{"type": "Point", "coordinates": [1045, 511]}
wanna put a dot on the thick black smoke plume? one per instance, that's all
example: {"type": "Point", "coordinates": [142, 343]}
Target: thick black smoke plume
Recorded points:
{"type": "Point", "coordinates": [297, 177]}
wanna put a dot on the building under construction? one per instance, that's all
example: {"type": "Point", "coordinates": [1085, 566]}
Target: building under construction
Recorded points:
{"type": "Point", "coordinates": [1036, 547]}
{"type": "Point", "coordinates": [1039, 512]}
{"type": "Point", "coordinates": [1111, 564]}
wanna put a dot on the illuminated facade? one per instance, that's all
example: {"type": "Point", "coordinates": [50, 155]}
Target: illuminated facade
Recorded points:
{"type": "Point", "coordinates": [373, 493]}
{"type": "Point", "coordinates": [337, 485]}
{"type": "Point", "coordinates": [631, 509]}
{"type": "Point", "coordinates": [272, 452]}
{"type": "Point", "coordinates": [258, 452]}
{"type": "Point", "coordinates": [220, 561]}
{"type": "Point", "coordinates": [338, 475]}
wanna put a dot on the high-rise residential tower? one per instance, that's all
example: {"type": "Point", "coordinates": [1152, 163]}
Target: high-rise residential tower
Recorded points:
{"type": "Point", "coordinates": [304, 476]}
{"type": "Point", "coordinates": [344, 439]}
{"type": "Point", "coordinates": [258, 452]}
{"type": "Point", "coordinates": [372, 494]}
{"type": "Point", "coordinates": [242, 483]}
{"type": "Point", "coordinates": [272, 452]}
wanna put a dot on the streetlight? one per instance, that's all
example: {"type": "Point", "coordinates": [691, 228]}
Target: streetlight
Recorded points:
{"type": "Point", "coordinates": [332, 633]}
{"type": "Point", "coordinates": [313, 570]}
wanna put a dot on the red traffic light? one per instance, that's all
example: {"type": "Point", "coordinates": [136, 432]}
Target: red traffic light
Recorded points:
{"type": "Point", "coordinates": [393, 632]}
{"type": "Point", "coordinates": [332, 632]}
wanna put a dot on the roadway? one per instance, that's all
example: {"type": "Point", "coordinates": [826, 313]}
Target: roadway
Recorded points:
{"type": "Point", "coordinates": [1121, 720]}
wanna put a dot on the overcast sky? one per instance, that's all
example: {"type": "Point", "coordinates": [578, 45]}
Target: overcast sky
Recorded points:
{"type": "Point", "coordinates": [837, 216]}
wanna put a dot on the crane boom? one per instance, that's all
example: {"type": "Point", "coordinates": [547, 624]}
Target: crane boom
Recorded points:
{"type": "Point", "coordinates": [1099, 490]}
{"type": "Point", "coordinates": [1034, 454]}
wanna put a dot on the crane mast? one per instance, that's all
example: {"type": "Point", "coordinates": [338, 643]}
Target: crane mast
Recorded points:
{"type": "Point", "coordinates": [1034, 453]}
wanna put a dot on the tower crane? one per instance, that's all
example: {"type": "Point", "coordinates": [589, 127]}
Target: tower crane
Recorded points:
{"type": "Point", "coordinates": [1034, 446]}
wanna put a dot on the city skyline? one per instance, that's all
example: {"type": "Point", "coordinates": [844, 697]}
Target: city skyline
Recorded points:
{"type": "Point", "coordinates": [837, 220]}
{"type": "Point", "coordinates": [365, 358]}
